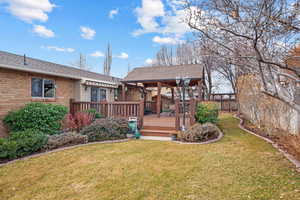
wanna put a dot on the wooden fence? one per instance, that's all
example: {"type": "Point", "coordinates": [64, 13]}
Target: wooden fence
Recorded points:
{"type": "Point", "coordinates": [111, 109]}
{"type": "Point", "coordinates": [226, 101]}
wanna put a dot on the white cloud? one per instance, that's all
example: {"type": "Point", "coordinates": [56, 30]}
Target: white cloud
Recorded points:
{"type": "Point", "coordinates": [147, 14]}
{"type": "Point", "coordinates": [42, 31]}
{"type": "Point", "coordinates": [113, 12]}
{"type": "Point", "coordinates": [87, 33]}
{"type": "Point", "coordinates": [149, 61]}
{"type": "Point", "coordinates": [176, 23]}
{"type": "Point", "coordinates": [60, 49]}
{"type": "Point", "coordinates": [123, 56]}
{"type": "Point", "coordinates": [97, 54]}
{"type": "Point", "coordinates": [165, 40]}
{"type": "Point", "coordinates": [29, 10]}
{"type": "Point", "coordinates": [153, 18]}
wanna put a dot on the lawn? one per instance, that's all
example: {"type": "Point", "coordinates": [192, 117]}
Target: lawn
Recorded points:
{"type": "Point", "coordinates": [240, 166]}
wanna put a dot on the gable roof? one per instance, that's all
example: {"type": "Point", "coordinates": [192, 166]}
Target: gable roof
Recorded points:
{"type": "Point", "coordinates": [160, 73]}
{"type": "Point", "coordinates": [16, 62]}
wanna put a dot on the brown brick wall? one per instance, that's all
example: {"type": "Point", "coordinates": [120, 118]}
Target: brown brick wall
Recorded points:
{"type": "Point", "coordinates": [15, 92]}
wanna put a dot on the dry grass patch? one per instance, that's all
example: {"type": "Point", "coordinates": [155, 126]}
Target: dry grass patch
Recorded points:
{"type": "Point", "coordinates": [240, 166]}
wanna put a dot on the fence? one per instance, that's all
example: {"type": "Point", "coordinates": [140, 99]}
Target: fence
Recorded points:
{"type": "Point", "coordinates": [111, 109]}
{"type": "Point", "coordinates": [226, 101]}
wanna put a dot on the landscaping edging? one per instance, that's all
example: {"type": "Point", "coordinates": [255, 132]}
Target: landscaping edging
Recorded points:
{"type": "Point", "coordinates": [206, 142]}
{"type": "Point", "coordinates": [64, 148]}
{"type": "Point", "coordinates": [290, 157]}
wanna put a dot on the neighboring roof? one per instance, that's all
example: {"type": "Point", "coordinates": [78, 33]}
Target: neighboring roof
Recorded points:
{"type": "Point", "coordinates": [159, 73]}
{"type": "Point", "coordinates": [16, 62]}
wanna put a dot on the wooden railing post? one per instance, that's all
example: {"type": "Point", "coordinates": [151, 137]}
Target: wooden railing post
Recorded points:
{"type": "Point", "coordinates": [192, 111]}
{"type": "Point", "coordinates": [229, 104]}
{"type": "Point", "coordinates": [72, 110]}
{"type": "Point", "coordinates": [177, 116]}
{"type": "Point", "coordinates": [141, 114]}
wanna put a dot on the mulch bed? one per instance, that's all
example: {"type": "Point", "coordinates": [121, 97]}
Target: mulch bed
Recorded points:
{"type": "Point", "coordinates": [287, 142]}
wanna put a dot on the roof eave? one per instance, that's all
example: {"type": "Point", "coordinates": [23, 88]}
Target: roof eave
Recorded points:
{"type": "Point", "coordinates": [38, 71]}
{"type": "Point", "coordinates": [153, 80]}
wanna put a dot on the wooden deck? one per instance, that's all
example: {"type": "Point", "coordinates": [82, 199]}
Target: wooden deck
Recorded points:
{"type": "Point", "coordinates": [162, 126]}
{"type": "Point", "coordinates": [153, 120]}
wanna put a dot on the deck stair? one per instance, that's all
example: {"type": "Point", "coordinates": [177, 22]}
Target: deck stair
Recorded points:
{"type": "Point", "coordinates": [158, 131]}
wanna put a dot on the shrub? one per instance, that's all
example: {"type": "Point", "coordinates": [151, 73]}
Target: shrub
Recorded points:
{"type": "Point", "coordinates": [8, 149]}
{"type": "Point", "coordinates": [106, 129]}
{"type": "Point", "coordinates": [78, 121]}
{"type": "Point", "coordinates": [207, 112]}
{"type": "Point", "coordinates": [22, 143]}
{"type": "Point", "coordinates": [45, 118]}
{"type": "Point", "coordinates": [28, 141]}
{"type": "Point", "coordinates": [65, 139]}
{"type": "Point", "coordinates": [94, 113]}
{"type": "Point", "coordinates": [200, 133]}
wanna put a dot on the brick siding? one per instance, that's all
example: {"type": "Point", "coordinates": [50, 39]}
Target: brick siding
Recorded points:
{"type": "Point", "coordinates": [15, 92]}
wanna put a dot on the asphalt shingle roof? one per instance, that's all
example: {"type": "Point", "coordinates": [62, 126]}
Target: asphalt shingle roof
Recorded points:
{"type": "Point", "coordinates": [156, 73]}
{"type": "Point", "coordinates": [13, 61]}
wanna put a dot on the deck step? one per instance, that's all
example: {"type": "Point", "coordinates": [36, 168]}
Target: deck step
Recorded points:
{"type": "Point", "coordinates": [159, 128]}
{"type": "Point", "coordinates": [163, 133]}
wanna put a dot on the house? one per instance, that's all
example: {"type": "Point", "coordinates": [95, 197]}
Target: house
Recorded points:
{"type": "Point", "coordinates": [24, 80]}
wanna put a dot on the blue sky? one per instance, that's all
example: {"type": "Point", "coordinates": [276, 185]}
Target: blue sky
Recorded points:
{"type": "Point", "coordinates": [58, 30]}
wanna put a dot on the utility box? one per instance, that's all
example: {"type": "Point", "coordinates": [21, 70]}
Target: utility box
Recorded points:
{"type": "Point", "coordinates": [133, 127]}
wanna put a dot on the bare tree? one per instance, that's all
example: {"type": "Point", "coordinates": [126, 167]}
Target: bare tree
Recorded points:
{"type": "Point", "coordinates": [165, 56]}
{"type": "Point", "coordinates": [107, 61]}
{"type": "Point", "coordinates": [255, 36]}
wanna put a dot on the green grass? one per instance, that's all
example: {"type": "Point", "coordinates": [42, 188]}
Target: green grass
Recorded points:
{"type": "Point", "coordinates": [240, 166]}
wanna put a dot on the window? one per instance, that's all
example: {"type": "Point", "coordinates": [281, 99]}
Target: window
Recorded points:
{"type": "Point", "coordinates": [98, 94]}
{"type": "Point", "coordinates": [94, 94]}
{"type": "Point", "coordinates": [43, 88]}
{"type": "Point", "coordinates": [102, 94]}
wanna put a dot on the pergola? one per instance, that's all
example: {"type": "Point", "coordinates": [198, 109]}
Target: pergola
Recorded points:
{"type": "Point", "coordinates": [164, 76]}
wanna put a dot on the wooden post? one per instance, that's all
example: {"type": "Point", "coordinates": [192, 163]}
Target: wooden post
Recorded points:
{"type": "Point", "coordinates": [72, 109]}
{"type": "Point", "coordinates": [199, 87]}
{"type": "Point", "coordinates": [141, 114]}
{"type": "Point", "coordinates": [173, 97]}
{"type": "Point", "coordinates": [221, 102]}
{"type": "Point", "coordinates": [177, 116]}
{"type": "Point", "coordinates": [158, 103]}
{"type": "Point", "coordinates": [192, 111]}
{"type": "Point", "coordinates": [123, 92]}
{"type": "Point", "coordinates": [229, 104]}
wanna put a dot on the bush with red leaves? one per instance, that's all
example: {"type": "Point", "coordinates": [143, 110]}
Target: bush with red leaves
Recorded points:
{"type": "Point", "coordinates": [78, 121]}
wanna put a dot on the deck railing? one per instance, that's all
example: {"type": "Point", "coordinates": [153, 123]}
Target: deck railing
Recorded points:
{"type": "Point", "coordinates": [116, 109]}
{"type": "Point", "coordinates": [150, 106]}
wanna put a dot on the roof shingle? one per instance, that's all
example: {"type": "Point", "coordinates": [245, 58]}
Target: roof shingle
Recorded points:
{"type": "Point", "coordinates": [157, 73]}
{"type": "Point", "coordinates": [13, 61]}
